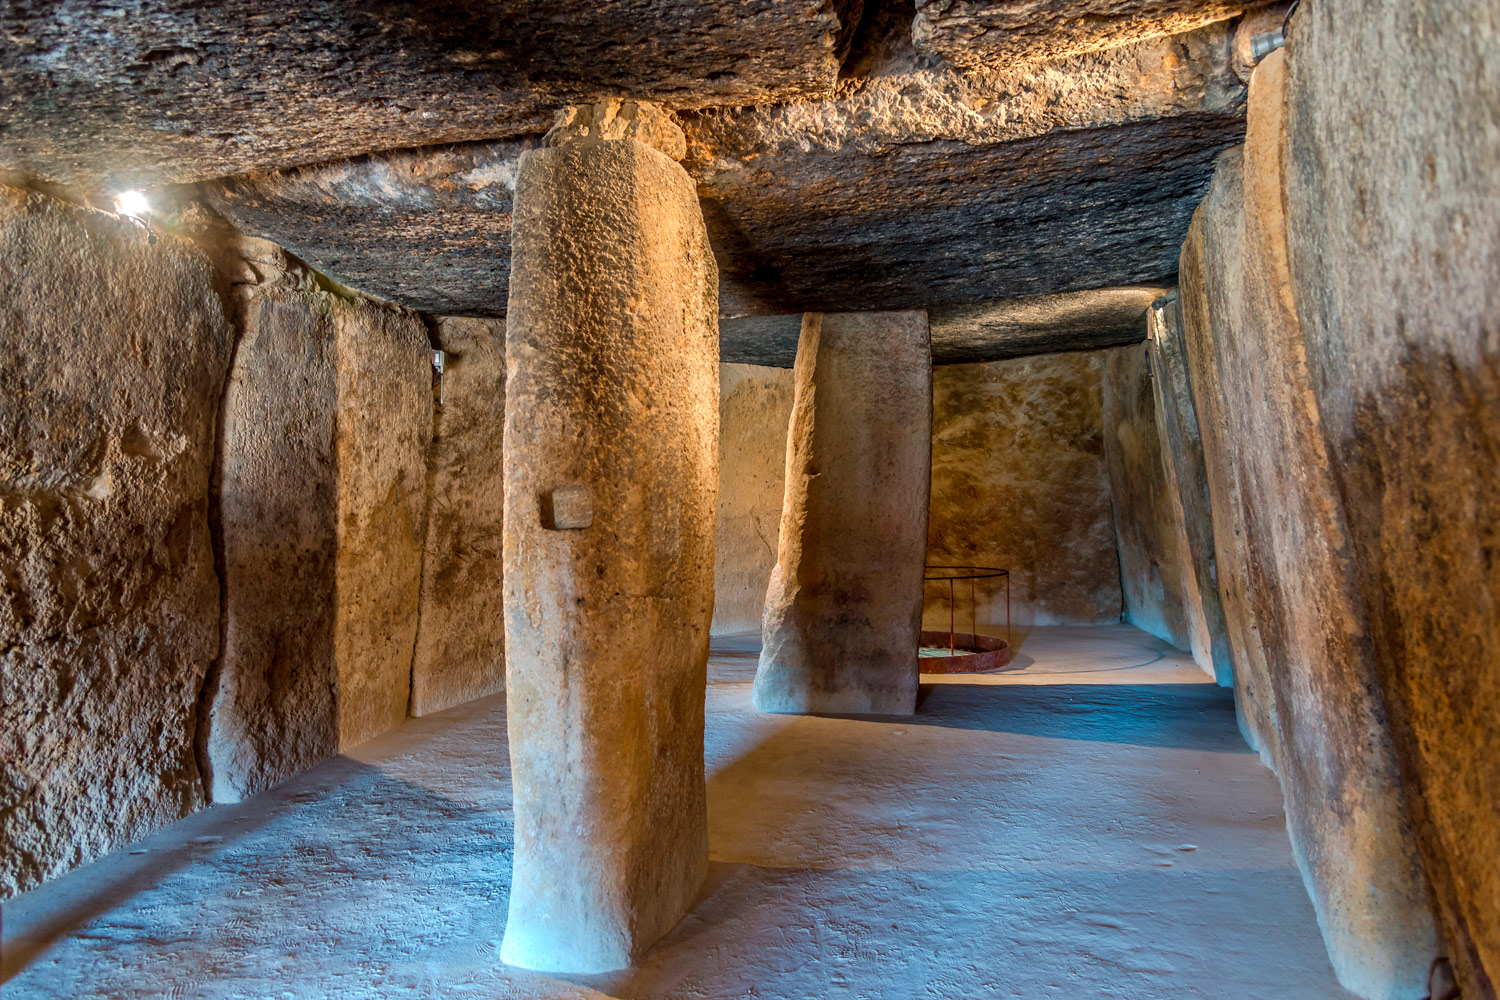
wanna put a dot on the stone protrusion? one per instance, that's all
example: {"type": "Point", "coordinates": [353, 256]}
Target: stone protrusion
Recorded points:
{"type": "Point", "coordinates": [1347, 809]}
{"type": "Point", "coordinates": [612, 386]}
{"type": "Point", "coordinates": [325, 428]}
{"type": "Point", "coordinates": [606, 120]}
{"type": "Point", "coordinates": [843, 615]}
{"type": "Point", "coordinates": [1187, 492]}
{"type": "Point", "coordinates": [1151, 565]}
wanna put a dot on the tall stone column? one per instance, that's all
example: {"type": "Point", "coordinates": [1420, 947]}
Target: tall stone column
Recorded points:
{"type": "Point", "coordinates": [611, 471]}
{"type": "Point", "coordinates": [843, 616]}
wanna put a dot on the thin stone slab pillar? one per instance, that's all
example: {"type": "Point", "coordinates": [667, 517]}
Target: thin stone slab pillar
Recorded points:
{"type": "Point", "coordinates": [611, 472]}
{"type": "Point", "coordinates": [843, 617]}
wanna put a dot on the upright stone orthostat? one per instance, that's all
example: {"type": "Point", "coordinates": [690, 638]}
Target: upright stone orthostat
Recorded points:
{"type": "Point", "coordinates": [611, 471]}
{"type": "Point", "coordinates": [843, 615]}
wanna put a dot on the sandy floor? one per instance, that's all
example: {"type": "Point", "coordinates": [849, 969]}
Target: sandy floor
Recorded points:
{"type": "Point", "coordinates": [1091, 826]}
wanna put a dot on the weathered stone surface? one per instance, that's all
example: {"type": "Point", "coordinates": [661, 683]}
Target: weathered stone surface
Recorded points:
{"type": "Point", "coordinates": [978, 33]}
{"type": "Point", "coordinates": [384, 375]}
{"type": "Point", "coordinates": [914, 185]}
{"type": "Point", "coordinates": [755, 407]}
{"type": "Point", "coordinates": [1187, 493]}
{"type": "Point", "coordinates": [611, 353]}
{"type": "Point", "coordinates": [171, 90]}
{"type": "Point", "coordinates": [1019, 482]}
{"type": "Point", "coordinates": [1254, 695]}
{"type": "Point", "coordinates": [274, 705]}
{"type": "Point", "coordinates": [460, 652]}
{"type": "Point", "coordinates": [983, 331]}
{"type": "Point", "coordinates": [843, 612]}
{"type": "Point", "coordinates": [322, 493]}
{"type": "Point", "coordinates": [917, 186]}
{"type": "Point", "coordinates": [428, 228]}
{"type": "Point", "coordinates": [112, 360]}
{"type": "Point", "coordinates": [1074, 321]}
{"type": "Point", "coordinates": [1346, 810]}
{"type": "Point", "coordinates": [1151, 565]}
{"type": "Point", "coordinates": [1392, 193]}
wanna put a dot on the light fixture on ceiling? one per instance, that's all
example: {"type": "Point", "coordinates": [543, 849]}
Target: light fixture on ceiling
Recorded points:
{"type": "Point", "coordinates": [135, 206]}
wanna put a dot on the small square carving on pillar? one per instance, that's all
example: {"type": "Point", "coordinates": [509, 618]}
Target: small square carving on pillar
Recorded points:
{"type": "Point", "coordinates": [568, 507]}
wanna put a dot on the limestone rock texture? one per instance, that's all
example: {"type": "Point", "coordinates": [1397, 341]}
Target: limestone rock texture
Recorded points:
{"type": "Point", "coordinates": [981, 331]}
{"type": "Point", "coordinates": [977, 33]}
{"type": "Point", "coordinates": [1044, 324]}
{"type": "Point", "coordinates": [428, 228]}
{"type": "Point", "coordinates": [755, 408]}
{"type": "Point", "coordinates": [321, 503]}
{"type": "Point", "coordinates": [843, 611]}
{"type": "Point", "coordinates": [178, 91]}
{"type": "Point", "coordinates": [916, 185]}
{"type": "Point", "coordinates": [1393, 178]}
{"type": "Point", "coordinates": [612, 387]}
{"type": "Point", "coordinates": [1019, 482]}
{"type": "Point", "coordinates": [1346, 809]}
{"type": "Point", "coordinates": [460, 645]}
{"type": "Point", "coordinates": [907, 184]}
{"type": "Point", "coordinates": [1187, 495]}
{"type": "Point", "coordinates": [113, 354]}
{"type": "Point", "coordinates": [1152, 571]}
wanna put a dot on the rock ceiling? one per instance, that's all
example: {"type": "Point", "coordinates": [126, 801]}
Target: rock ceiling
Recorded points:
{"type": "Point", "coordinates": [955, 154]}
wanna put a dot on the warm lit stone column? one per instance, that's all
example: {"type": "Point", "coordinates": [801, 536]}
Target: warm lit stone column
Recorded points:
{"type": "Point", "coordinates": [611, 470]}
{"type": "Point", "coordinates": [843, 612]}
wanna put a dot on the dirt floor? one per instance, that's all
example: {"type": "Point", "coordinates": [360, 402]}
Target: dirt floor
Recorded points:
{"type": "Point", "coordinates": [1090, 826]}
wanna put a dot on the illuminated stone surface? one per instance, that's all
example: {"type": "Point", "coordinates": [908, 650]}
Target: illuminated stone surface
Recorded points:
{"type": "Point", "coordinates": [843, 610]}
{"type": "Point", "coordinates": [112, 360]}
{"type": "Point", "coordinates": [326, 423]}
{"type": "Point", "coordinates": [612, 360]}
{"type": "Point", "coordinates": [460, 652]}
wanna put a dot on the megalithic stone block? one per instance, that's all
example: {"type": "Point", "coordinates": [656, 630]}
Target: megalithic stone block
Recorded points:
{"type": "Point", "coordinates": [843, 615]}
{"type": "Point", "coordinates": [611, 473]}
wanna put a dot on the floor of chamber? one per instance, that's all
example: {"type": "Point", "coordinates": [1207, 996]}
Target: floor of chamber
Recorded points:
{"type": "Point", "coordinates": [1089, 827]}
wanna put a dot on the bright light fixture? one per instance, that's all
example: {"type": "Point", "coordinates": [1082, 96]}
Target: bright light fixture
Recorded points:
{"type": "Point", "coordinates": [133, 204]}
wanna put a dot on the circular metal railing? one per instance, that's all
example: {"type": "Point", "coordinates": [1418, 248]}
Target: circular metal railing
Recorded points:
{"type": "Point", "coordinates": [968, 652]}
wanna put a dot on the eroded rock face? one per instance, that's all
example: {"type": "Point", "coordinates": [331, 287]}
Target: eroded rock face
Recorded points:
{"type": "Point", "coordinates": [112, 360]}
{"type": "Point", "coordinates": [178, 91]}
{"type": "Point", "coordinates": [1187, 494]}
{"type": "Point", "coordinates": [755, 406]}
{"type": "Point", "coordinates": [322, 498]}
{"type": "Point", "coordinates": [1346, 811]}
{"type": "Point", "coordinates": [1151, 566]}
{"type": "Point", "coordinates": [1254, 694]}
{"type": "Point", "coordinates": [428, 228]}
{"type": "Point", "coordinates": [919, 186]}
{"type": "Point", "coordinates": [611, 407]}
{"type": "Point", "coordinates": [1393, 178]}
{"type": "Point", "coordinates": [274, 707]}
{"type": "Point", "coordinates": [384, 374]}
{"type": "Point", "coordinates": [1019, 482]}
{"type": "Point", "coordinates": [976, 33]}
{"type": "Point", "coordinates": [460, 653]}
{"type": "Point", "coordinates": [843, 612]}
{"type": "Point", "coordinates": [911, 185]}
{"type": "Point", "coordinates": [982, 331]}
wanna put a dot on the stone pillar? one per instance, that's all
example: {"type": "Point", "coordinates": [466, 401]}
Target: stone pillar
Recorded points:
{"type": "Point", "coordinates": [843, 614]}
{"type": "Point", "coordinates": [611, 470]}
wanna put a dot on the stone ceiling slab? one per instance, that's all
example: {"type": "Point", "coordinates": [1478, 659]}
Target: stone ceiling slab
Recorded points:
{"type": "Point", "coordinates": [158, 91]}
{"type": "Point", "coordinates": [974, 33]}
{"type": "Point", "coordinates": [916, 185]}
{"type": "Point", "coordinates": [983, 331]}
{"type": "Point", "coordinates": [428, 228]}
